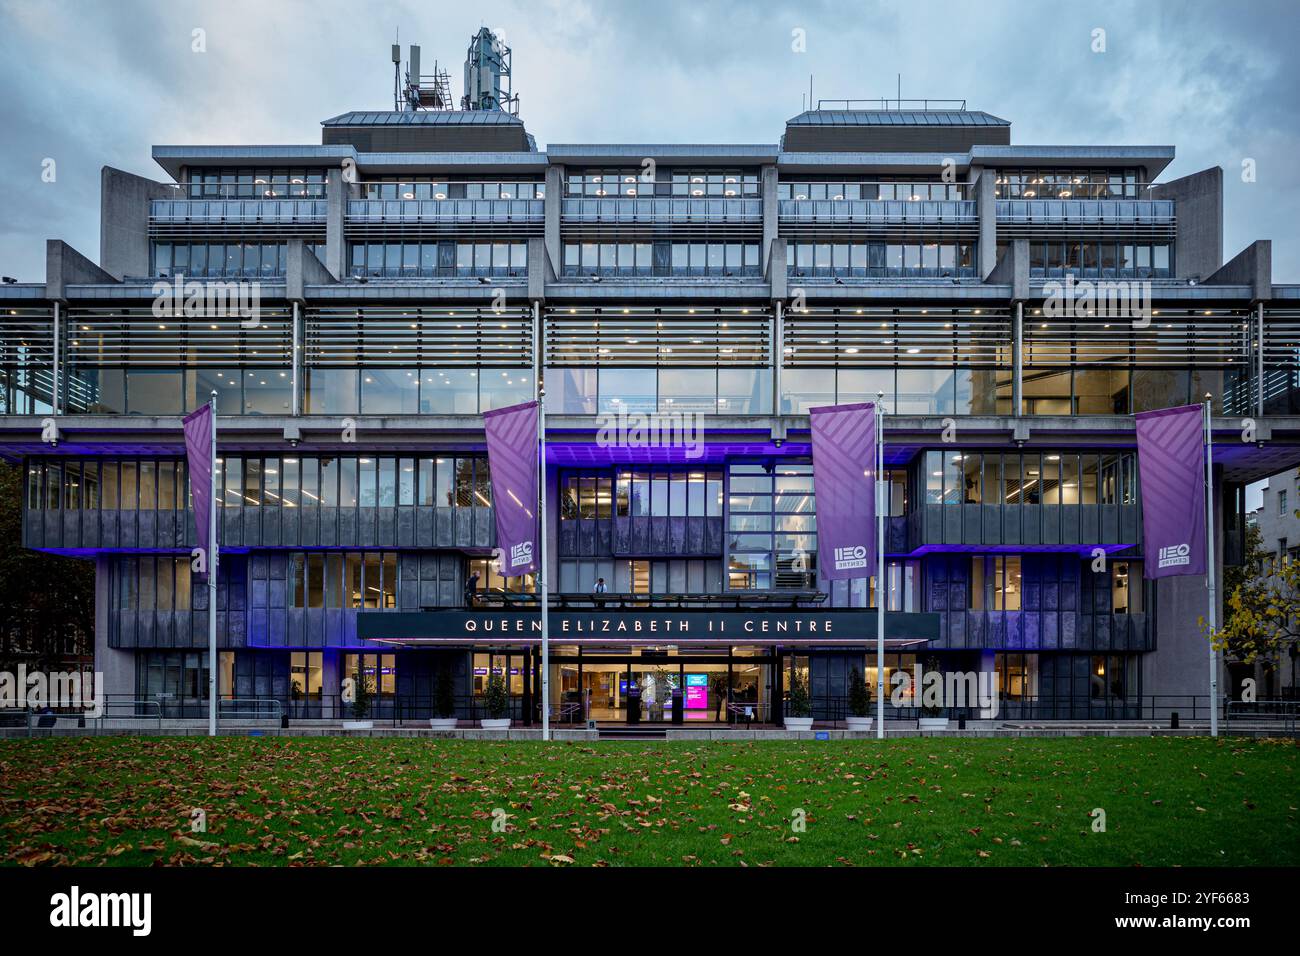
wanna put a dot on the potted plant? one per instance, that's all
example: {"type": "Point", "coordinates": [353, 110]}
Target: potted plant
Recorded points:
{"type": "Point", "coordinates": [444, 700]}
{"type": "Point", "coordinates": [497, 703]}
{"type": "Point", "coordinates": [361, 697]}
{"type": "Point", "coordinates": [859, 702]}
{"type": "Point", "coordinates": [932, 717]}
{"type": "Point", "coordinates": [799, 709]}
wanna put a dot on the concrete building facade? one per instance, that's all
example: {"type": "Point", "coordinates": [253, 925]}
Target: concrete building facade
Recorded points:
{"type": "Point", "coordinates": [357, 305]}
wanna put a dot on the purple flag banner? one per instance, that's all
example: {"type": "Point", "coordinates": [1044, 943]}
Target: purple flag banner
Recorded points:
{"type": "Point", "coordinates": [198, 461]}
{"type": "Point", "coordinates": [512, 461]}
{"type": "Point", "coordinates": [1171, 471]}
{"type": "Point", "coordinates": [844, 481]}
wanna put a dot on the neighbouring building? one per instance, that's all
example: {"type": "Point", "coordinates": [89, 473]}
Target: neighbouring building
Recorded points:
{"type": "Point", "coordinates": [684, 306]}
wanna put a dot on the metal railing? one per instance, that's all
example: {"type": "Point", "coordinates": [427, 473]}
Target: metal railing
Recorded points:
{"type": "Point", "coordinates": [1109, 211]}
{"type": "Point", "coordinates": [885, 103]}
{"type": "Point", "coordinates": [480, 211]}
{"type": "Point", "coordinates": [124, 710]}
{"type": "Point", "coordinates": [1152, 708]}
{"type": "Point", "coordinates": [238, 211]}
{"type": "Point", "coordinates": [663, 209]}
{"type": "Point", "coordinates": [1277, 716]}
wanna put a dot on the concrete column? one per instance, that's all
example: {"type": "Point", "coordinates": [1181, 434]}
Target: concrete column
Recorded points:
{"type": "Point", "coordinates": [330, 678]}
{"type": "Point", "coordinates": [295, 399]}
{"type": "Point", "coordinates": [778, 355]}
{"type": "Point", "coordinates": [116, 668]}
{"type": "Point", "coordinates": [1018, 360]}
{"type": "Point", "coordinates": [336, 201]}
{"type": "Point", "coordinates": [554, 197]}
{"type": "Point", "coordinates": [55, 390]}
{"type": "Point", "coordinates": [986, 207]}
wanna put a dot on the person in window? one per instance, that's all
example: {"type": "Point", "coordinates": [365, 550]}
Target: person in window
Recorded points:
{"type": "Point", "coordinates": [599, 587]}
{"type": "Point", "coordinates": [471, 589]}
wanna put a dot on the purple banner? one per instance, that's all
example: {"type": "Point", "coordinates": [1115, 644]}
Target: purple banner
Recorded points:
{"type": "Point", "coordinates": [198, 461]}
{"type": "Point", "coordinates": [844, 481]}
{"type": "Point", "coordinates": [1171, 473]}
{"type": "Point", "coordinates": [512, 461]}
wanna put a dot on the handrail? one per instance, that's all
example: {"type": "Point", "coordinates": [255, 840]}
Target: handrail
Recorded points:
{"type": "Point", "coordinates": [896, 104]}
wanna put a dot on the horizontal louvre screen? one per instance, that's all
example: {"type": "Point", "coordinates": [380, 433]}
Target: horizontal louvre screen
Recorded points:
{"type": "Point", "coordinates": [1174, 341]}
{"type": "Point", "coordinates": [400, 337]}
{"type": "Point", "coordinates": [135, 336]}
{"type": "Point", "coordinates": [26, 357]}
{"type": "Point", "coordinates": [975, 338]}
{"type": "Point", "coordinates": [663, 337]}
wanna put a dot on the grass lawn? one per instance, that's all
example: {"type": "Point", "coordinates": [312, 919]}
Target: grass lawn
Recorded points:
{"type": "Point", "coordinates": [955, 802]}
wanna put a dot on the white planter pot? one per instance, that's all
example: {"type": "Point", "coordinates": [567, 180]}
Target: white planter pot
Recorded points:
{"type": "Point", "coordinates": [859, 723]}
{"type": "Point", "coordinates": [495, 723]}
{"type": "Point", "coordinates": [798, 723]}
{"type": "Point", "coordinates": [358, 725]}
{"type": "Point", "coordinates": [442, 723]}
{"type": "Point", "coordinates": [932, 723]}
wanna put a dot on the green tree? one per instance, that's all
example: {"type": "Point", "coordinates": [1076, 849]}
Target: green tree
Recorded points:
{"type": "Point", "coordinates": [859, 694]}
{"type": "Point", "coordinates": [1261, 607]}
{"type": "Point", "coordinates": [362, 693]}
{"type": "Point", "coordinates": [47, 601]}
{"type": "Point", "coordinates": [800, 699]}
{"type": "Point", "coordinates": [495, 698]}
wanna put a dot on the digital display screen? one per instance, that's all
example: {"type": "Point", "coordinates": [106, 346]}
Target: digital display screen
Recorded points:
{"type": "Point", "coordinates": [697, 691]}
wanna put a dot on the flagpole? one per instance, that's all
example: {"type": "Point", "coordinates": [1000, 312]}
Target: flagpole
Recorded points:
{"type": "Point", "coordinates": [1210, 583]}
{"type": "Point", "coordinates": [541, 568]}
{"type": "Point", "coordinates": [212, 574]}
{"type": "Point", "coordinates": [880, 568]}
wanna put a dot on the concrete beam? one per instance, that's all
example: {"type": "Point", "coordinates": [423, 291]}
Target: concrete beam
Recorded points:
{"type": "Point", "coordinates": [541, 270]}
{"type": "Point", "coordinates": [302, 268]}
{"type": "Point", "coordinates": [124, 220]}
{"type": "Point", "coordinates": [66, 266]}
{"type": "Point", "coordinates": [776, 275]}
{"type": "Point", "coordinates": [1013, 269]}
{"type": "Point", "coordinates": [1253, 266]}
{"type": "Point", "coordinates": [1198, 250]}
{"type": "Point", "coordinates": [551, 206]}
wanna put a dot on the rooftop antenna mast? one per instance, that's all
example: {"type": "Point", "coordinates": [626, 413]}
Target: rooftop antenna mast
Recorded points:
{"type": "Point", "coordinates": [397, 71]}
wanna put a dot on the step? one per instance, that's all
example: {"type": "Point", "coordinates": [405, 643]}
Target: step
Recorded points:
{"type": "Point", "coordinates": [632, 733]}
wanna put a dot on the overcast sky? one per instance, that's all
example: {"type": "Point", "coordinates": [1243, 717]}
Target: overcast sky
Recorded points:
{"type": "Point", "coordinates": [89, 84]}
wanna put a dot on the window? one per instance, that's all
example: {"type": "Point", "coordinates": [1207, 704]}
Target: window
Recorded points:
{"type": "Point", "coordinates": [379, 671]}
{"type": "Point", "coordinates": [305, 671]}
{"type": "Point", "coordinates": [1281, 502]}
{"type": "Point", "coordinates": [1017, 676]}
{"type": "Point", "coordinates": [995, 583]}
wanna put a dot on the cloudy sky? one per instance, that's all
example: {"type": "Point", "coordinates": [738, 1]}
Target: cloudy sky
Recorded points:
{"type": "Point", "coordinates": [90, 83]}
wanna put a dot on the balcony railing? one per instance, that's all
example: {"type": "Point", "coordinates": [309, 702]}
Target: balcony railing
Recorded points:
{"type": "Point", "coordinates": [659, 209]}
{"type": "Point", "coordinates": [882, 211]}
{"type": "Point", "coordinates": [1103, 211]}
{"type": "Point", "coordinates": [236, 211]}
{"type": "Point", "coordinates": [477, 211]}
